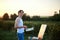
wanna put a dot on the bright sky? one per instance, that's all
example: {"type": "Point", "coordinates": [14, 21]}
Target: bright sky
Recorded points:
{"type": "Point", "coordinates": [31, 7]}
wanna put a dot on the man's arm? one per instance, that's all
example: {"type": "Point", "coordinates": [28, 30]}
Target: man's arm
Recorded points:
{"type": "Point", "coordinates": [20, 27]}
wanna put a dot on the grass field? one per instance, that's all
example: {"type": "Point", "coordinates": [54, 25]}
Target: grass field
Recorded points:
{"type": "Point", "coordinates": [39, 22]}
{"type": "Point", "coordinates": [12, 35]}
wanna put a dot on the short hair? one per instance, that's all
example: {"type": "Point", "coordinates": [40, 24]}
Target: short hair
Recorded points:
{"type": "Point", "coordinates": [20, 11]}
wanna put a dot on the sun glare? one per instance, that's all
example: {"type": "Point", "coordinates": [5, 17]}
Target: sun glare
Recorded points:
{"type": "Point", "coordinates": [31, 7]}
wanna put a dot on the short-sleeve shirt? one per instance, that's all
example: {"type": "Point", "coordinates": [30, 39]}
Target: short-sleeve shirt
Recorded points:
{"type": "Point", "coordinates": [19, 22]}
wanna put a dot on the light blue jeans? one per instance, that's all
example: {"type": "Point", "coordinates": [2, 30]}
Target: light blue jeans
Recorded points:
{"type": "Point", "coordinates": [20, 36]}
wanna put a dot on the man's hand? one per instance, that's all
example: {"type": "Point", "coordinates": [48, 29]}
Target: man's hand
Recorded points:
{"type": "Point", "coordinates": [25, 26]}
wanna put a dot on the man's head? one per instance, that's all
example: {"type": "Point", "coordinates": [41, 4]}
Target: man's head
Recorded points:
{"type": "Point", "coordinates": [20, 13]}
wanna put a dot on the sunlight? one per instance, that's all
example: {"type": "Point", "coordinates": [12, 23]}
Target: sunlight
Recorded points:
{"type": "Point", "coordinates": [31, 7]}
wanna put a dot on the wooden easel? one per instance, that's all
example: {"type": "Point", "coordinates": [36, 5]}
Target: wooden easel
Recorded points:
{"type": "Point", "coordinates": [41, 33]}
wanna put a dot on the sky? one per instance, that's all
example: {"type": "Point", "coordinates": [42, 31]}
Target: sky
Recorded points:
{"type": "Point", "coordinates": [30, 7]}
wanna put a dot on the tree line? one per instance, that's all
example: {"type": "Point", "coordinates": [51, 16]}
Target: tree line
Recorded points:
{"type": "Point", "coordinates": [55, 17]}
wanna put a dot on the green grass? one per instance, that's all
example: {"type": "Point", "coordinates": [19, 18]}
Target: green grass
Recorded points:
{"type": "Point", "coordinates": [12, 35]}
{"type": "Point", "coordinates": [39, 22]}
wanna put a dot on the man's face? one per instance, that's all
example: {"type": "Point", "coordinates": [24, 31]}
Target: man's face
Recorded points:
{"type": "Point", "coordinates": [21, 13]}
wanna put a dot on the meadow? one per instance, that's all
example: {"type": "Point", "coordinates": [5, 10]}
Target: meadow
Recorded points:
{"type": "Point", "coordinates": [7, 31]}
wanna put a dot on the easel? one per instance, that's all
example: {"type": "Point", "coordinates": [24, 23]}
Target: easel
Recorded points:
{"type": "Point", "coordinates": [40, 34]}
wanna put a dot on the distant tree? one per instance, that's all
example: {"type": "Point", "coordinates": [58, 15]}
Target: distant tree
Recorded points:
{"type": "Point", "coordinates": [26, 17]}
{"type": "Point", "coordinates": [36, 18]}
{"type": "Point", "coordinates": [59, 11]}
{"type": "Point", "coordinates": [5, 16]}
{"type": "Point", "coordinates": [13, 17]}
{"type": "Point", "coordinates": [55, 13]}
{"type": "Point", "coordinates": [56, 16]}
{"type": "Point", "coordinates": [0, 18]}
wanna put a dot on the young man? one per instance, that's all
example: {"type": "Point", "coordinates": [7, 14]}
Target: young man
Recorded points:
{"type": "Point", "coordinates": [19, 25]}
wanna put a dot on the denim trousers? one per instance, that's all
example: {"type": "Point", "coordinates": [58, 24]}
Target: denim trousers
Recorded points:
{"type": "Point", "coordinates": [20, 36]}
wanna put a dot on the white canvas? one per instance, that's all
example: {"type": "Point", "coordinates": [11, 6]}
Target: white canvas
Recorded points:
{"type": "Point", "coordinates": [42, 31]}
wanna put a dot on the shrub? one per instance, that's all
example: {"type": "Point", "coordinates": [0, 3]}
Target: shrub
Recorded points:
{"type": "Point", "coordinates": [6, 25]}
